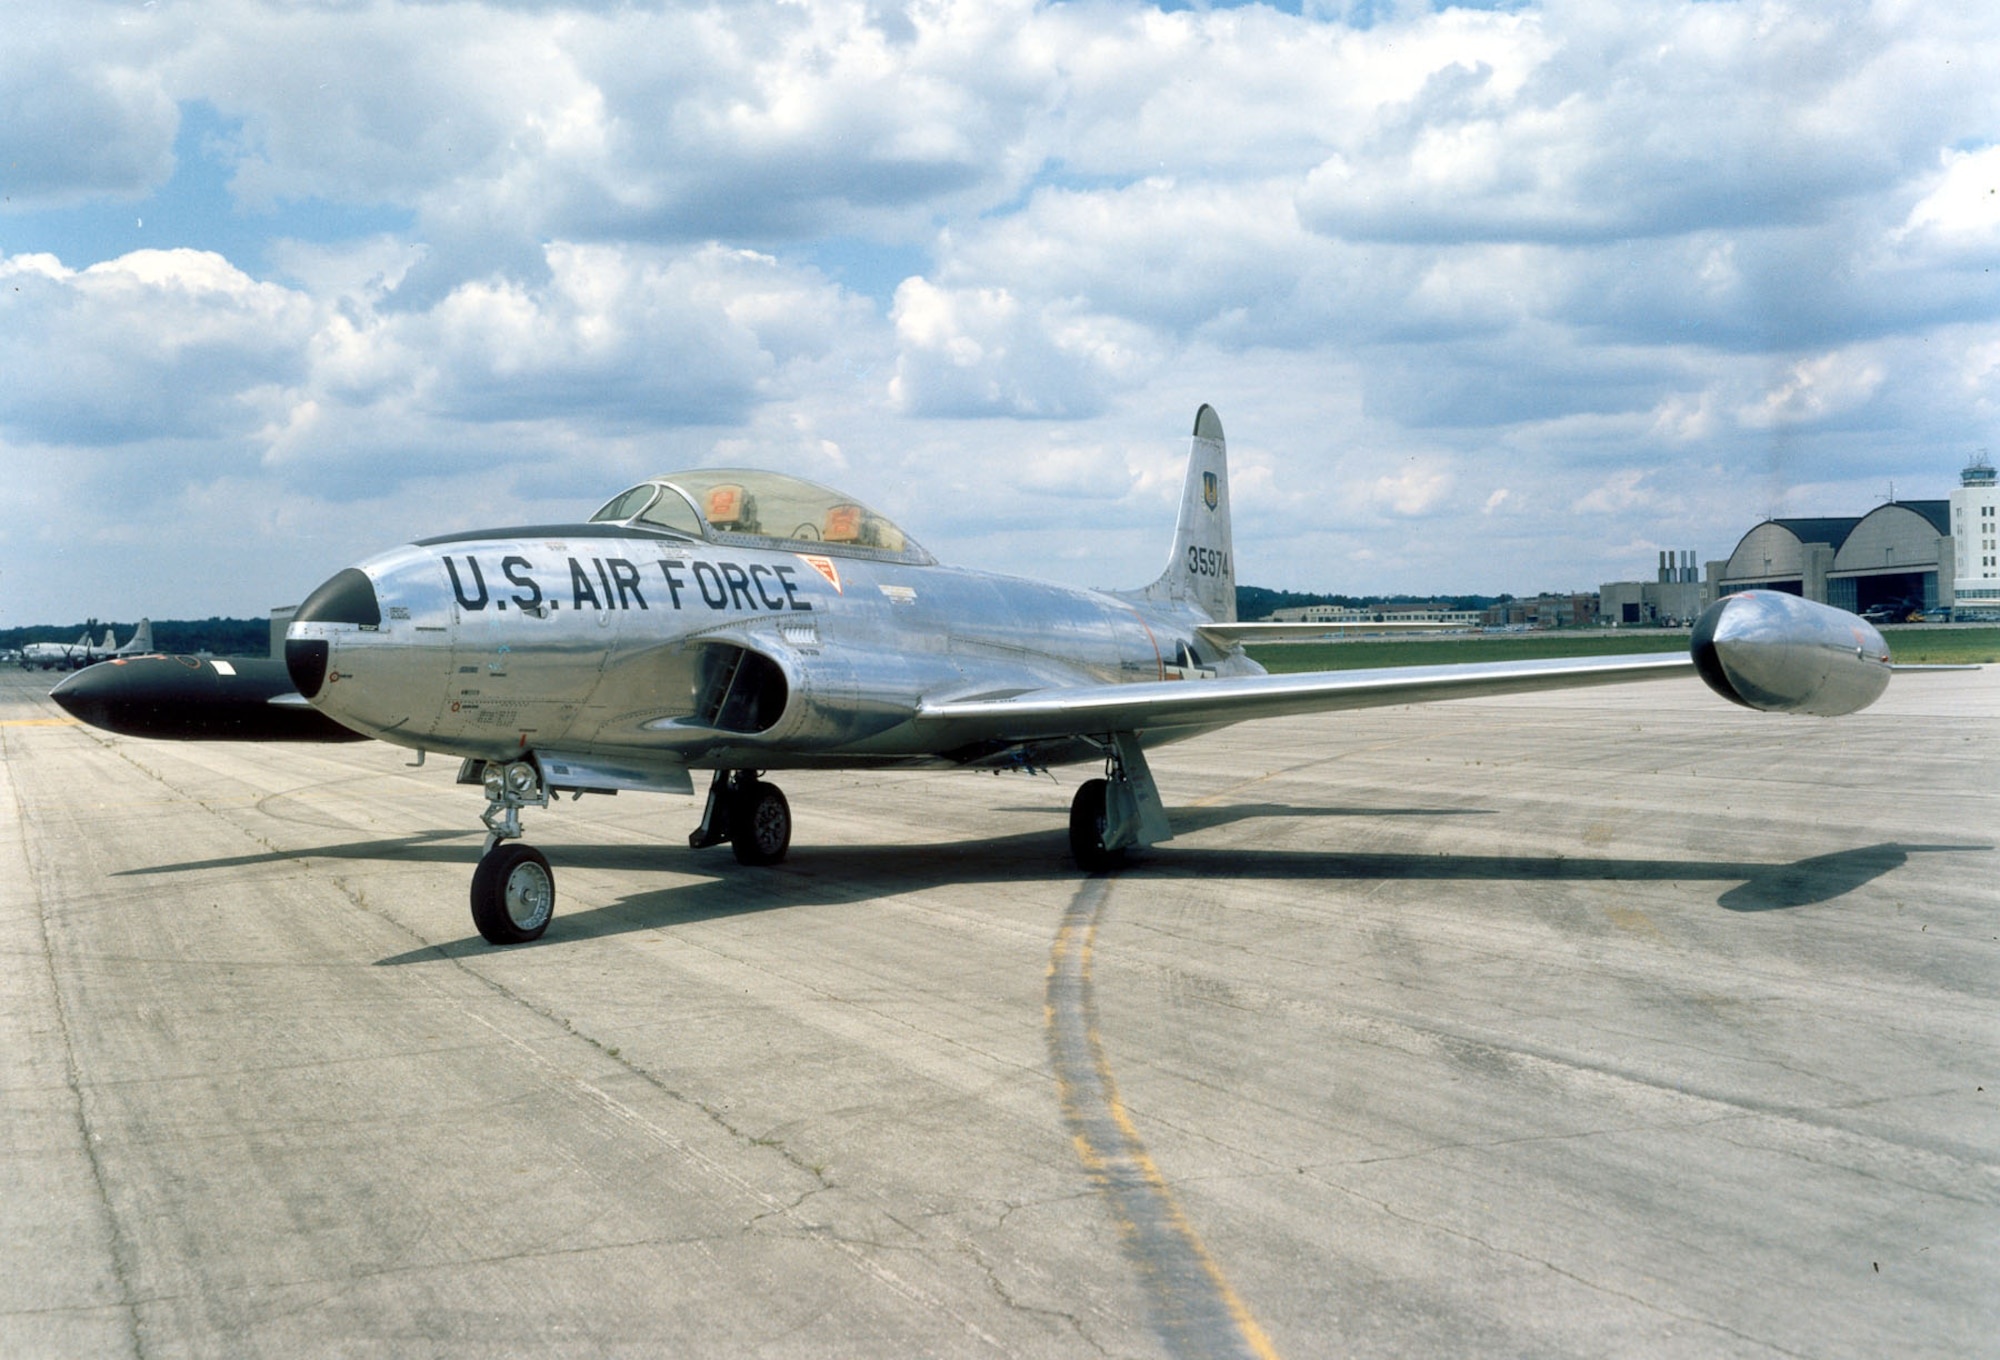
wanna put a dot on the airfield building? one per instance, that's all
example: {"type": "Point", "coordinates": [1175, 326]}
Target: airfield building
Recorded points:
{"type": "Point", "coordinates": [1939, 555]}
{"type": "Point", "coordinates": [1975, 540]}
{"type": "Point", "coordinates": [1576, 610]}
{"type": "Point", "coordinates": [1677, 595]}
{"type": "Point", "coordinates": [1898, 554]}
{"type": "Point", "coordinates": [1353, 616]}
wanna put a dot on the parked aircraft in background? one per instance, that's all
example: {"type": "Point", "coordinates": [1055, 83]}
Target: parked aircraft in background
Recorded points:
{"type": "Point", "coordinates": [139, 644]}
{"type": "Point", "coordinates": [738, 622]}
{"type": "Point", "coordinates": [55, 656]}
{"type": "Point", "coordinates": [58, 656]}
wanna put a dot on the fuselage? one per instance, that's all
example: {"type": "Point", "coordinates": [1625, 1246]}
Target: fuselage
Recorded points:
{"type": "Point", "coordinates": [610, 639]}
{"type": "Point", "coordinates": [61, 656]}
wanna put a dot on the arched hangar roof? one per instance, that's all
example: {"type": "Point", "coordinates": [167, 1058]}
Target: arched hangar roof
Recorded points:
{"type": "Point", "coordinates": [1831, 530]}
{"type": "Point", "coordinates": [1775, 549]}
{"type": "Point", "coordinates": [1899, 536]}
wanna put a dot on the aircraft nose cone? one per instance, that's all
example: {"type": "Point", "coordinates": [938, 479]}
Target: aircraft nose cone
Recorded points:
{"type": "Point", "coordinates": [85, 696]}
{"type": "Point", "coordinates": [348, 596]}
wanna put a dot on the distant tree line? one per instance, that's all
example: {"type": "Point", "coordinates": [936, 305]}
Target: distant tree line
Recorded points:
{"type": "Point", "coordinates": [223, 637]}
{"type": "Point", "coordinates": [1255, 602]}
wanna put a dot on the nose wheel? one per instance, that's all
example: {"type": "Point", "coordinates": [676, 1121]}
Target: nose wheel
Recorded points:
{"type": "Point", "coordinates": [513, 889]}
{"type": "Point", "coordinates": [513, 894]}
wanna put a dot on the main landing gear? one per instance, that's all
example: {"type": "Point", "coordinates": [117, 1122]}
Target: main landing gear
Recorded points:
{"type": "Point", "coordinates": [1087, 829]}
{"type": "Point", "coordinates": [514, 890]}
{"type": "Point", "coordinates": [748, 813]}
{"type": "Point", "coordinates": [1111, 815]}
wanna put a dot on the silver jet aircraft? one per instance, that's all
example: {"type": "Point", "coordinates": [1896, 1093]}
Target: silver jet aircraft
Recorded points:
{"type": "Point", "coordinates": [739, 622]}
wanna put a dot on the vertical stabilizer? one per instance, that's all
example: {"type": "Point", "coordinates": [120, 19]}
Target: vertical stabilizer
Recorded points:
{"type": "Point", "coordinates": [1202, 570]}
{"type": "Point", "coordinates": [142, 640]}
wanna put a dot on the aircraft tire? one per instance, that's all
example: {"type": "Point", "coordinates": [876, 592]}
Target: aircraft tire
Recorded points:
{"type": "Point", "coordinates": [760, 825]}
{"type": "Point", "coordinates": [513, 894]}
{"type": "Point", "coordinates": [1086, 829]}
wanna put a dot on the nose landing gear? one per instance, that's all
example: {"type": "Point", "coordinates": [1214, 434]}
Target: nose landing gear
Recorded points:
{"type": "Point", "coordinates": [513, 889]}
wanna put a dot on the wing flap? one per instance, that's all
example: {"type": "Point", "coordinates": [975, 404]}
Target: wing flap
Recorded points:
{"type": "Point", "coordinates": [1092, 710]}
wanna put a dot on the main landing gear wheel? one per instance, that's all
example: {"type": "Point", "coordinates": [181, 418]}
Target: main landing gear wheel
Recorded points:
{"type": "Point", "coordinates": [760, 824]}
{"type": "Point", "coordinates": [1086, 829]}
{"type": "Point", "coordinates": [513, 894]}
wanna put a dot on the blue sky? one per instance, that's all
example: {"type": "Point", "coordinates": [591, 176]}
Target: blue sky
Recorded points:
{"type": "Point", "coordinates": [1495, 297]}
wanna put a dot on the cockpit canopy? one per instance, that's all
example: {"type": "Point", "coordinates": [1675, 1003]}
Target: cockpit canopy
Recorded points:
{"type": "Point", "coordinates": [760, 509]}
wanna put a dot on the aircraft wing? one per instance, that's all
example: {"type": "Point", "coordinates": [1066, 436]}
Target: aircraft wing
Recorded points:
{"type": "Point", "coordinates": [1093, 710]}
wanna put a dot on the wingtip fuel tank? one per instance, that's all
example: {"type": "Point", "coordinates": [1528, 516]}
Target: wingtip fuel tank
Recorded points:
{"type": "Point", "coordinates": [1783, 654]}
{"type": "Point", "coordinates": [192, 698]}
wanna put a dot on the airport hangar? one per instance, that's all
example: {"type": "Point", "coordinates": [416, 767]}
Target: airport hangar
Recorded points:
{"type": "Point", "coordinates": [1930, 554]}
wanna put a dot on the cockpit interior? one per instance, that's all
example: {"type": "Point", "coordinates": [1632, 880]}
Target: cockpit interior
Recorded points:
{"type": "Point", "coordinates": [753, 508]}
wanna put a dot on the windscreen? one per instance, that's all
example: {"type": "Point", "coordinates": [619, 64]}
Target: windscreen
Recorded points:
{"type": "Point", "coordinates": [771, 509]}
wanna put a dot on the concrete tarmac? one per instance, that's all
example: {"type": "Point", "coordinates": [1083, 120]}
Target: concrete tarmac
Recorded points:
{"type": "Point", "coordinates": [1617, 1022]}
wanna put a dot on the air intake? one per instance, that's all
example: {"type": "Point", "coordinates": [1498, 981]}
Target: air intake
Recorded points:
{"type": "Point", "coordinates": [738, 690]}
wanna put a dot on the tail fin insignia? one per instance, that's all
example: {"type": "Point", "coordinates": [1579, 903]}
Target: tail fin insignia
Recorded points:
{"type": "Point", "coordinates": [1202, 570]}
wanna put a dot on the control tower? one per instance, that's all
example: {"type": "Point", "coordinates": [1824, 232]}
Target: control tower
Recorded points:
{"type": "Point", "coordinates": [1975, 537]}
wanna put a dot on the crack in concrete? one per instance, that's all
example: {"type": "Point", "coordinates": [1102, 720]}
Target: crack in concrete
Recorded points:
{"type": "Point", "coordinates": [1012, 1304]}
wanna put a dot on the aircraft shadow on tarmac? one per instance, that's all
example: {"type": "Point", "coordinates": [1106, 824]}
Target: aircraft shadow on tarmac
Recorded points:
{"type": "Point", "coordinates": [851, 874]}
{"type": "Point", "coordinates": [826, 875]}
{"type": "Point", "coordinates": [459, 846]}
{"type": "Point", "coordinates": [1202, 818]}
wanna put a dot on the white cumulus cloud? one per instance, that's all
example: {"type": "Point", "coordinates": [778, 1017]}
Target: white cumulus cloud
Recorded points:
{"type": "Point", "coordinates": [1468, 267]}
